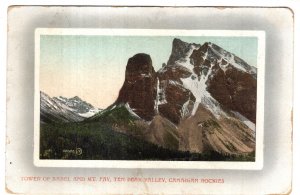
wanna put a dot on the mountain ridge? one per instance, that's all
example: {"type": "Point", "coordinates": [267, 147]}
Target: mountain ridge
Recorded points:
{"type": "Point", "coordinates": [61, 109]}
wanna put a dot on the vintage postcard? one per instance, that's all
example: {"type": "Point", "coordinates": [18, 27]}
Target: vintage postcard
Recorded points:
{"type": "Point", "coordinates": [149, 100]}
{"type": "Point", "coordinates": [142, 98]}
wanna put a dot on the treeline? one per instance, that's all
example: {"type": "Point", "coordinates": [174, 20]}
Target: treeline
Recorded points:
{"type": "Point", "coordinates": [97, 141]}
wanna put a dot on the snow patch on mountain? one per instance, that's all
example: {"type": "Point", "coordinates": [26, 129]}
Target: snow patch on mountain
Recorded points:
{"type": "Point", "coordinates": [78, 106]}
{"type": "Point", "coordinates": [174, 82]}
{"type": "Point", "coordinates": [236, 65]}
{"type": "Point", "coordinates": [229, 58]}
{"type": "Point", "coordinates": [160, 97]}
{"type": "Point", "coordinates": [246, 121]}
{"type": "Point", "coordinates": [131, 111]}
{"type": "Point", "coordinates": [185, 110]}
{"type": "Point", "coordinates": [162, 70]}
{"type": "Point", "coordinates": [214, 106]}
{"type": "Point", "coordinates": [198, 88]}
{"type": "Point", "coordinates": [191, 49]}
{"type": "Point", "coordinates": [90, 113]}
{"type": "Point", "coordinates": [223, 66]}
{"type": "Point", "coordinates": [146, 75]}
{"type": "Point", "coordinates": [197, 85]}
{"type": "Point", "coordinates": [186, 61]}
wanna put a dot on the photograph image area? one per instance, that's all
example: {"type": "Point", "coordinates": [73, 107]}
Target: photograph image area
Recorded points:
{"type": "Point", "coordinates": [147, 97]}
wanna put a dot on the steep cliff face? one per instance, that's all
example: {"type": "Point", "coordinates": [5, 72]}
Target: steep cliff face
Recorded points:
{"type": "Point", "coordinates": [175, 97]}
{"type": "Point", "coordinates": [180, 49]}
{"type": "Point", "coordinates": [232, 81]}
{"type": "Point", "coordinates": [139, 88]}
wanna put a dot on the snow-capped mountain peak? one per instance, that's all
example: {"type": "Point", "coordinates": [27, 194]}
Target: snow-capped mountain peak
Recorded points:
{"type": "Point", "coordinates": [62, 109]}
{"type": "Point", "coordinates": [76, 104]}
{"type": "Point", "coordinates": [209, 75]}
{"type": "Point", "coordinates": [225, 58]}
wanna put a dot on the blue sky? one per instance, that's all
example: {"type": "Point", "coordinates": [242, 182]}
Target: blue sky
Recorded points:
{"type": "Point", "coordinates": [93, 67]}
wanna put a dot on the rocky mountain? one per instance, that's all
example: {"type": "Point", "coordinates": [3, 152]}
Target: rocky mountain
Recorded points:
{"type": "Point", "coordinates": [181, 49]}
{"type": "Point", "coordinates": [212, 98]}
{"type": "Point", "coordinates": [206, 74]}
{"type": "Point", "coordinates": [78, 106]}
{"type": "Point", "coordinates": [61, 109]}
{"type": "Point", "coordinates": [203, 99]}
{"type": "Point", "coordinates": [139, 89]}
